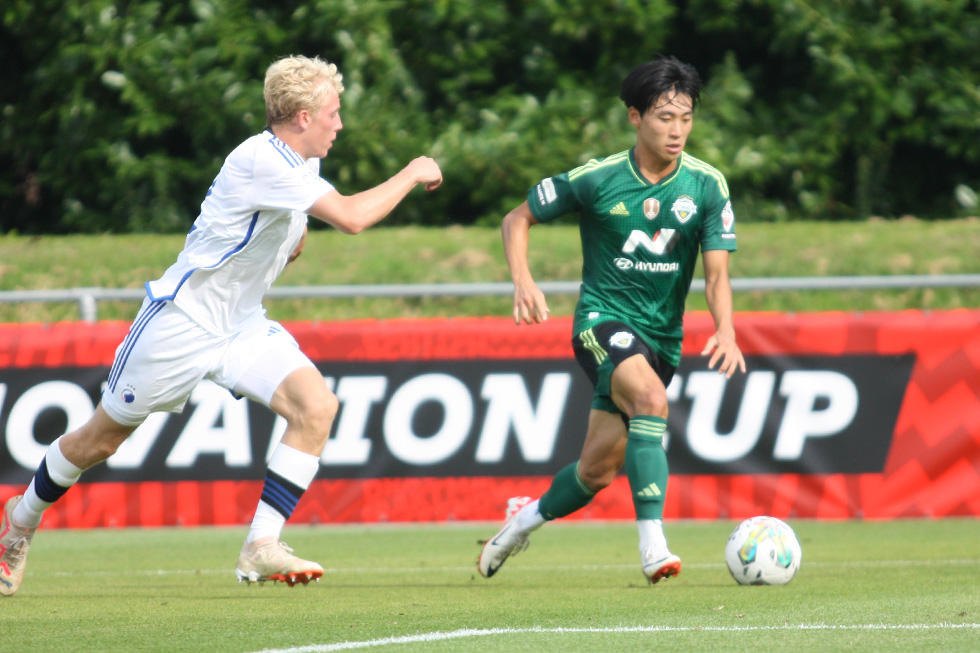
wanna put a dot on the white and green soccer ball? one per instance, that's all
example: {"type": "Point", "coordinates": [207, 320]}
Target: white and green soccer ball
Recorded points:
{"type": "Point", "coordinates": [763, 551]}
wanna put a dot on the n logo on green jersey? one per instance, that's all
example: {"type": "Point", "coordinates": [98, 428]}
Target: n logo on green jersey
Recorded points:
{"type": "Point", "coordinates": [663, 241]}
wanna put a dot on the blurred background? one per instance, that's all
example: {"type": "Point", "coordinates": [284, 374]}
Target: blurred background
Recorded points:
{"type": "Point", "coordinates": [117, 115]}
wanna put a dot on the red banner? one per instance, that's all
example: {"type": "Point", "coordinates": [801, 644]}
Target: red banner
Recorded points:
{"type": "Point", "coordinates": [873, 415]}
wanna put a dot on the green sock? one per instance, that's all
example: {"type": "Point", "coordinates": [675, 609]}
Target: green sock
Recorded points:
{"type": "Point", "coordinates": [566, 495]}
{"type": "Point", "coordinates": [646, 465]}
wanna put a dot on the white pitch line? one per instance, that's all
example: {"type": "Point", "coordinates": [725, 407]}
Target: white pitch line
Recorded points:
{"type": "Point", "coordinates": [469, 632]}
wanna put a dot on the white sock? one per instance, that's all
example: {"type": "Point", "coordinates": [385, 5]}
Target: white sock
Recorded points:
{"type": "Point", "coordinates": [529, 518]}
{"type": "Point", "coordinates": [62, 472]}
{"type": "Point", "coordinates": [298, 469]}
{"type": "Point", "coordinates": [267, 522]}
{"type": "Point", "coordinates": [651, 534]}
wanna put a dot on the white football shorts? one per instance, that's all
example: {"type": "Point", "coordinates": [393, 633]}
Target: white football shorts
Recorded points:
{"type": "Point", "coordinates": [166, 354]}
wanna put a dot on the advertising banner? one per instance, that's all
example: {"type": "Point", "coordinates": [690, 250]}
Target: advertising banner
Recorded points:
{"type": "Point", "coordinates": [873, 415]}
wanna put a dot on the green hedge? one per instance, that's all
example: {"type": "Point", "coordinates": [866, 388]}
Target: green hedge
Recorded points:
{"type": "Point", "coordinates": [117, 115]}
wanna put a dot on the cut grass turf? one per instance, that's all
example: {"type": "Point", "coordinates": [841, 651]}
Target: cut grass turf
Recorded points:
{"type": "Point", "coordinates": [868, 586]}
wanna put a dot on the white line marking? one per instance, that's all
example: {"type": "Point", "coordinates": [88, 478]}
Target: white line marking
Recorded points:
{"type": "Point", "coordinates": [458, 634]}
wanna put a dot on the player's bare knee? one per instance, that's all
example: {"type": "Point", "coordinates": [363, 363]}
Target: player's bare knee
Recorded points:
{"type": "Point", "coordinates": [648, 403]}
{"type": "Point", "coordinates": [105, 450]}
{"type": "Point", "coordinates": [93, 443]}
{"type": "Point", "coordinates": [596, 477]}
{"type": "Point", "coordinates": [316, 417]}
{"type": "Point", "coordinates": [104, 446]}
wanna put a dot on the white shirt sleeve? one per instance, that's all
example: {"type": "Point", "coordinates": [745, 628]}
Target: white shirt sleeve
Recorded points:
{"type": "Point", "coordinates": [292, 188]}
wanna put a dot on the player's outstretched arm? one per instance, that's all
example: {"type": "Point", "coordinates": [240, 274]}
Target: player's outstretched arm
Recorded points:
{"type": "Point", "coordinates": [718, 292]}
{"type": "Point", "coordinates": [529, 302]}
{"type": "Point", "coordinates": [353, 214]}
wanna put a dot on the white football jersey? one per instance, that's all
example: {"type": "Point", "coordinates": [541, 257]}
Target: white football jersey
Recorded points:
{"type": "Point", "coordinates": [251, 221]}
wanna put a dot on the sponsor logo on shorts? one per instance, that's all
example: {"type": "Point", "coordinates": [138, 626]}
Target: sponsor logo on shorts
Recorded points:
{"type": "Point", "coordinates": [128, 394]}
{"type": "Point", "coordinates": [621, 340]}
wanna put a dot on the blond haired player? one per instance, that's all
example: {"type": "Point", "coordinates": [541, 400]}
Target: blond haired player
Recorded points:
{"type": "Point", "coordinates": [204, 319]}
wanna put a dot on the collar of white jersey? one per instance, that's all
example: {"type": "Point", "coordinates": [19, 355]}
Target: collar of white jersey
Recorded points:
{"type": "Point", "coordinates": [293, 157]}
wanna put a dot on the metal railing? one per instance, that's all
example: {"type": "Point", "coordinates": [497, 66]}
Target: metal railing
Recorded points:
{"type": "Point", "coordinates": [88, 298]}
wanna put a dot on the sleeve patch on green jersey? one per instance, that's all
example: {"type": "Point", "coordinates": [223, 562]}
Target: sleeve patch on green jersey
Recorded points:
{"type": "Point", "coordinates": [728, 216]}
{"type": "Point", "coordinates": [549, 190]}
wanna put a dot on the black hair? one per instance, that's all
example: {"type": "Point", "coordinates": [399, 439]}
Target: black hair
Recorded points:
{"type": "Point", "coordinates": [649, 81]}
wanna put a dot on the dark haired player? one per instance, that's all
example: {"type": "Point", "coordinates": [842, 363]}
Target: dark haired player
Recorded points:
{"type": "Point", "coordinates": [643, 215]}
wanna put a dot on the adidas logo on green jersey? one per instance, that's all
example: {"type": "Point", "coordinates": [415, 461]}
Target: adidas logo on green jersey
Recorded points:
{"type": "Point", "coordinates": [619, 209]}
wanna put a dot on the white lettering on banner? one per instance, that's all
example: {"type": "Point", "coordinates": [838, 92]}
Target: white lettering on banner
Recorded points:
{"type": "Point", "coordinates": [801, 421]}
{"type": "Point", "coordinates": [510, 405]}
{"type": "Point", "coordinates": [63, 395]}
{"type": "Point", "coordinates": [457, 404]}
{"type": "Point", "coordinates": [818, 404]}
{"type": "Point", "coordinates": [706, 389]}
{"type": "Point", "coordinates": [201, 436]}
{"type": "Point", "coordinates": [357, 394]}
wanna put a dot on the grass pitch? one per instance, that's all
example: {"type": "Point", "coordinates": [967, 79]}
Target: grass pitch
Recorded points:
{"type": "Point", "coordinates": [911, 585]}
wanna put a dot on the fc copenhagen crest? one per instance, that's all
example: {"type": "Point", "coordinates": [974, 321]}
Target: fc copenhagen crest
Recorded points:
{"type": "Point", "coordinates": [683, 208]}
{"type": "Point", "coordinates": [651, 207]}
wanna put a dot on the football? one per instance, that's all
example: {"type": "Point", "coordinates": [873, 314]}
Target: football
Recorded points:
{"type": "Point", "coordinates": [763, 551]}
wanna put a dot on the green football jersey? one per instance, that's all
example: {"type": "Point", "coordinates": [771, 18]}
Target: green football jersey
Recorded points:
{"type": "Point", "coordinates": [640, 241]}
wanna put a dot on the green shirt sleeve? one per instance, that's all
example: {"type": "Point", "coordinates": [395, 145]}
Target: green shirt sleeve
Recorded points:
{"type": "Point", "coordinates": [553, 197]}
{"type": "Point", "coordinates": [718, 226]}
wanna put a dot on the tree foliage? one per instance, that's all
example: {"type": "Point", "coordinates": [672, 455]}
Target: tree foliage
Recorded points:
{"type": "Point", "coordinates": [116, 115]}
